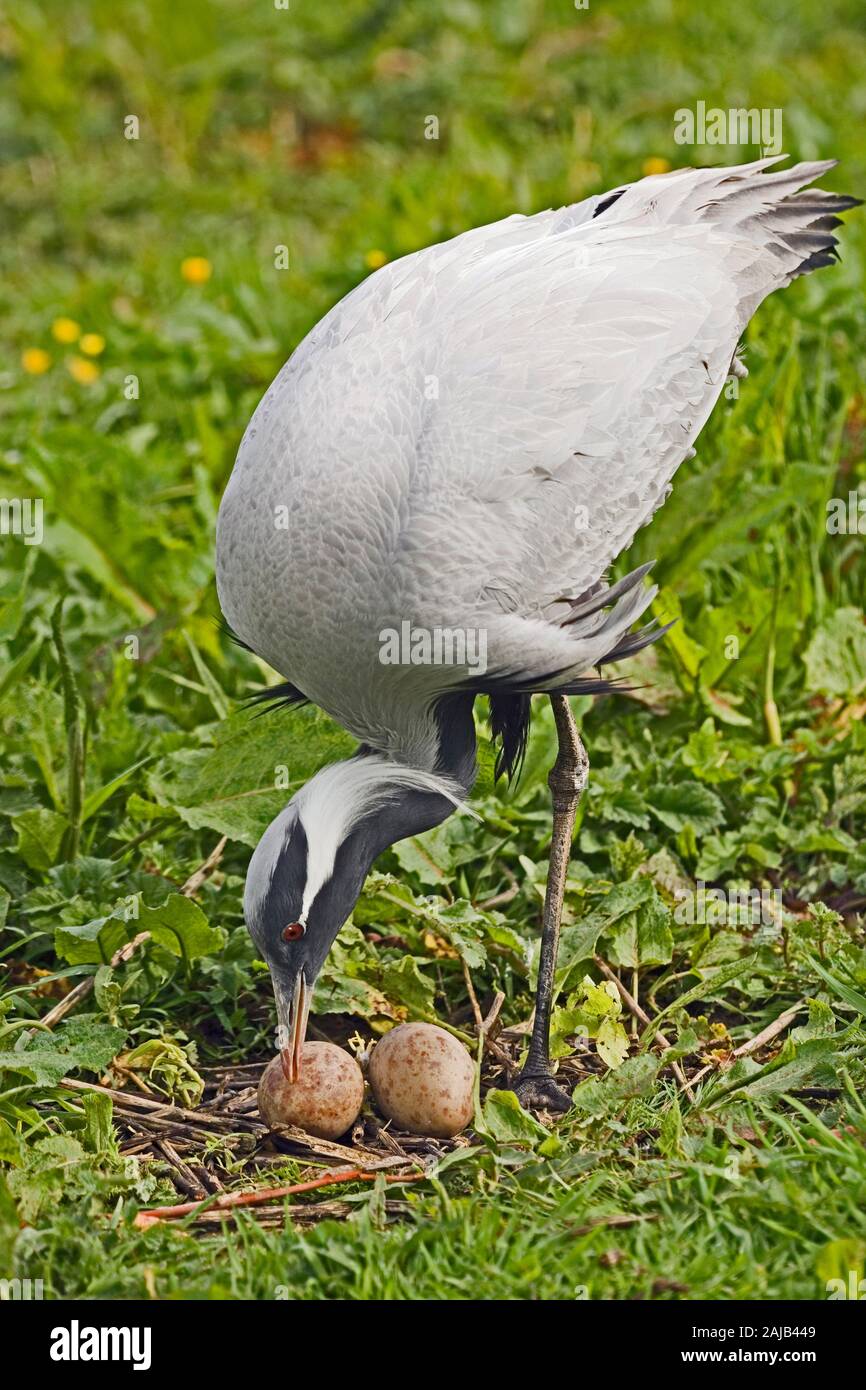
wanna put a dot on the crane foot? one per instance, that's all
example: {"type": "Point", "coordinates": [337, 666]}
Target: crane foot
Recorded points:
{"type": "Point", "coordinates": [541, 1092]}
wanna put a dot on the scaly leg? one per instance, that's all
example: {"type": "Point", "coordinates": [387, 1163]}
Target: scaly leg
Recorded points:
{"type": "Point", "coordinates": [535, 1087]}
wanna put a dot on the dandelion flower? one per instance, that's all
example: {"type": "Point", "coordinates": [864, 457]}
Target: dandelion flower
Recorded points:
{"type": "Point", "coordinates": [375, 259]}
{"type": "Point", "coordinates": [82, 371]}
{"type": "Point", "coordinates": [656, 165]}
{"type": "Point", "coordinates": [35, 361]}
{"type": "Point", "coordinates": [92, 343]}
{"type": "Point", "coordinates": [66, 330]}
{"type": "Point", "coordinates": [196, 270]}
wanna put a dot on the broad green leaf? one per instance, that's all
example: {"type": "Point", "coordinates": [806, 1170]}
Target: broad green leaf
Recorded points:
{"type": "Point", "coordinates": [11, 1147]}
{"type": "Point", "coordinates": [81, 1044]}
{"type": "Point", "coordinates": [655, 943]}
{"type": "Point", "coordinates": [256, 764]}
{"type": "Point", "coordinates": [635, 1077]}
{"type": "Point", "coordinates": [612, 1042]}
{"type": "Point", "coordinates": [666, 608]}
{"type": "Point", "coordinates": [507, 1122]}
{"type": "Point", "coordinates": [687, 803]}
{"type": "Point", "coordinates": [44, 1179]}
{"type": "Point", "coordinates": [94, 941]}
{"type": "Point", "coordinates": [178, 924]}
{"type": "Point", "coordinates": [404, 983]}
{"type": "Point", "coordinates": [578, 942]}
{"type": "Point", "coordinates": [796, 1065]}
{"type": "Point", "coordinates": [835, 659]}
{"type": "Point", "coordinates": [338, 993]}
{"type": "Point", "coordinates": [182, 928]}
{"type": "Point", "coordinates": [427, 856]}
{"type": "Point", "coordinates": [40, 834]}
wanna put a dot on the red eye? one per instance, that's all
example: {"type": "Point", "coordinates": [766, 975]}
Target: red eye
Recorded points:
{"type": "Point", "coordinates": [294, 931]}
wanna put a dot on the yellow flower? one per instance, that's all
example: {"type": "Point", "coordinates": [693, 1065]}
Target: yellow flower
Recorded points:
{"type": "Point", "coordinates": [82, 371]}
{"type": "Point", "coordinates": [196, 270]}
{"type": "Point", "coordinates": [66, 330]}
{"type": "Point", "coordinates": [35, 361]}
{"type": "Point", "coordinates": [656, 165]}
{"type": "Point", "coordinates": [376, 259]}
{"type": "Point", "coordinates": [92, 343]}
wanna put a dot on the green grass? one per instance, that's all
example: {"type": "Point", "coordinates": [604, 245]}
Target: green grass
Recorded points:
{"type": "Point", "coordinates": [123, 757]}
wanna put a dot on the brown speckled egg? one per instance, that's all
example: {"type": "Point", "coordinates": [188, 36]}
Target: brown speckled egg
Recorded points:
{"type": "Point", "coordinates": [422, 1079]}
{"type": "Point", "coordinates": [325, 1101]}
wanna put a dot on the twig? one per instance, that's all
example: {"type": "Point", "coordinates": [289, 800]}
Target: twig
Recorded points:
{"type": "Point", "coordinates": [323, 1148]}
{"type": "Point", "coordinates": [489, 1031]}
{"type": "Point", "coordinates": [171, 1113]}
{"type": "Point", "coordinates": [491, 1025]}
{"type": "Point", "coordinates": [230, 1200]}
{"type": "Point", "coordinates": [622, 1218]}
{"type": "Point", "coordinates": [506, 896]}
{"type": "Point", "coordinates": [771, 1031]}
{"type": "Point", "coordinates": [634, 1007]}
{"type": "Point", "coordinates": [195, 880]}
{"type": "Point", "coordinates": [184, 1177]}
{"type": "Point", "coordinates": [473, 997]}
{"type": "Point", "coordinates": [766, 1035]}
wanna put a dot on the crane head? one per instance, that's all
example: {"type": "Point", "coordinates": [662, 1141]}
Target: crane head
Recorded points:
{"type": "Point", "coordinates": [293, 916]}
{"type": "Point", "coordinates": [308, 869]}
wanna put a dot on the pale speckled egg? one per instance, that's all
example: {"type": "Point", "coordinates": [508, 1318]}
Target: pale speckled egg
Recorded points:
{"type": "Point", "coordinates": [325, 1101]}
{"type": "Point", "coordinates": [422, 1078]}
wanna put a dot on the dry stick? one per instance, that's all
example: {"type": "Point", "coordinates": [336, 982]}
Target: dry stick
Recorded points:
{"type": "Point", "coordinates": [195, 881]}
{"type": "Point", "coordinates": [634, 1007]}
{"type": "Point", "coordinates": [273, 1218]}
{"type": "Point", "coordinates": [506, 896]}
{"type": "Point", "coordinates": [324, 1148]}
{"type": "Point", "coordinates": [229, 1200]}
{"type": "Point", "coordinates": [491, 1025]}
{"type": "Point", "coordinates": [473, 997]}
{"type": "Point", "coordinates": [489, 1031]}
{"type": "Point", "coordinates": [183, 1175]}
{"type": "Point", "coordinates": [766, 1035]}
{"type": "Point", "coordinates": [485, 1026]}
{"type": "Point", "coordinates": [157, 1110]}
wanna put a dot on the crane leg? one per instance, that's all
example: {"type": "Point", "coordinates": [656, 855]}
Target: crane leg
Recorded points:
{"type": "Point", "coordinates": [535, 1086]}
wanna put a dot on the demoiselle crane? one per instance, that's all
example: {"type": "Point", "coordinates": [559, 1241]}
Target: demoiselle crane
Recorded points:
{"type": "Point", "coordinates": [463, 445]}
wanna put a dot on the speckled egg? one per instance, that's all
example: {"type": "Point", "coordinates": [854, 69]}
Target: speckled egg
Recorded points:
{"type": "Point", "coordinates": [422, 1079]}
{"type": "Point", "coordinates": [325, 1101]}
